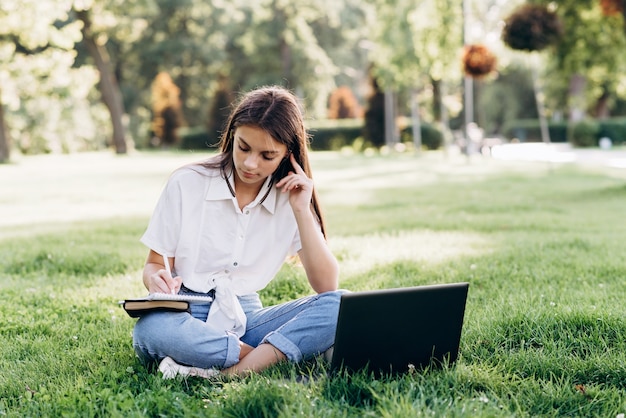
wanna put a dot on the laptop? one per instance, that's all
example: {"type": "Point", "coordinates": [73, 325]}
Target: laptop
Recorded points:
{"type": "Point", "coordinates": [392, 331]}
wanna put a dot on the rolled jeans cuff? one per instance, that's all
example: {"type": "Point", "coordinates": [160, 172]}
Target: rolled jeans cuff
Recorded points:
{"type": "Point", "coordinates": [232, 350]}
{"type": "Point", "coordinates": [288, 348]}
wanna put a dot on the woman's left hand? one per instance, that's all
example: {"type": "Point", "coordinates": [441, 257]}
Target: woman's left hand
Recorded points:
{"type": "Point", "coordinates": [299, 186]}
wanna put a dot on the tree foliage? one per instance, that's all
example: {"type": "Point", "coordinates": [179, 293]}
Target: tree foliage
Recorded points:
{"type": "Point", "coordinates": [47, 103]}
{"type": "Point", "coordinates": [588, 56]}
{"type": "Point", "coordinates": [51, 88]}
{"type": "Point", "coordinates": [414, 42]}
{"type": "Point", "coordinates": [280, 36]}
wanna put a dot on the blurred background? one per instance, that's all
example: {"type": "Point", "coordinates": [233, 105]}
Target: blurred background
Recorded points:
{"type": "Point", "coordinates": [83, 75]}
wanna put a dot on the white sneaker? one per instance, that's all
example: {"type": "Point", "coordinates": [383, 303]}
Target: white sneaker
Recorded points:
{"type": "Point", "coordinates": [328, 354]}
{"type": "Point", "coordinates": [171, 369]}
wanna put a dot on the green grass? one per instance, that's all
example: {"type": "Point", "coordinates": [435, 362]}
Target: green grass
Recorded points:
{"type": "Point", "coordinates": [542, 246]}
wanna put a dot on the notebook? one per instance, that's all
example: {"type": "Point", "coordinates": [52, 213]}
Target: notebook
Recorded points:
{"type": "Point", "coordinates": [395, 330]}
{"type": "Point", "coordinates": [161, 302]}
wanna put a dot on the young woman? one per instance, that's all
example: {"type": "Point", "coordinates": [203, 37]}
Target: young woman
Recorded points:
{"type": "Point", "coordinates": [226, 226]}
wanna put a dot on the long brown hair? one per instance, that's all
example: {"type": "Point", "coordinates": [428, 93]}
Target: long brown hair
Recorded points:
{"type": "Point", "coordinates": [277, 111]}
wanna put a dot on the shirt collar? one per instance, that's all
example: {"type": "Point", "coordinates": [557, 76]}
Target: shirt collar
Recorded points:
{"type": "Point", "coordinates": [220, 189]}
{"type": "Point", "coordinates": [269, 203]}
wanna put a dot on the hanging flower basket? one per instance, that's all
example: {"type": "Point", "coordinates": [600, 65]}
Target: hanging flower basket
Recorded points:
{"type": "Point", "coordinates": [532, 27]}
{"type": "Point", "coordinates": [478, 61]}
{"type": "Point", "coordinates": [612, 7]}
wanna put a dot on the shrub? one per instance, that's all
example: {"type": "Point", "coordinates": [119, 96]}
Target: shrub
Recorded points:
{"type": "Point", "coordinates": [529, 130]}
{"type": "Point", "coordinates": [167, 109]}
{"type": "Point", "coordinates": [325, 135]}
{"type": "Point", "coordinates": [432, 138]}
{"type": "Point", "coordinates": [615, 129]}
{"type": "Point", "coordinates": [587, 134]}
{"type": "Point", "coordinates": [334, 134]}
{"type": "Point", "coordinates": [343, 105]}
{"type": "Point", "coordinates": [220, 107]}
{"type": "Point", "coordinates": [584, 133]}
{"type": "Point", "coordinates": [197, 139]}
{"type": "Point", "coordinates": [374, 131]}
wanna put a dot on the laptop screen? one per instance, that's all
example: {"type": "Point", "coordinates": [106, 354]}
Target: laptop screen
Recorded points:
{"type": "Point", "coordinates": [394, 330]}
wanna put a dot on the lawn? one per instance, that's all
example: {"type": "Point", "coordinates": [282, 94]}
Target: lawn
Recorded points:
{"type": "Point", "coordinates": [542, 245]}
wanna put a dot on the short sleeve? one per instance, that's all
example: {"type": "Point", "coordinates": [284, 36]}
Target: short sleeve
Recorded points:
{"type": "Point", "coordinates": [163, 232]}
{"type": "Point", "coordinates": [296, 243]}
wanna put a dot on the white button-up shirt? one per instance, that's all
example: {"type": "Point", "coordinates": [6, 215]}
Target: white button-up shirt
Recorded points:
{"type": "Point", "coordinates": [215, 244]}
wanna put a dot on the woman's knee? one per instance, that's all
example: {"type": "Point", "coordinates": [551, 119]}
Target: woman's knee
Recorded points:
{"type": "Point", "coordinates": [148, 326]}
{"type": "Point", "coordinates": [333, 297]}
{"type": "Point", "coordinates": [153, 332]}
{"type": "Point", "coordinates": [329, 302]}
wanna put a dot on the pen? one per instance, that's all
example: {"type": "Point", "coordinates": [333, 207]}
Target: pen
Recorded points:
{"type": "Point", "coordinates": [166, 261]}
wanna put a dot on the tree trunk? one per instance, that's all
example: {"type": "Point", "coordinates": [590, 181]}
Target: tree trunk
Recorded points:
{"type": "Point", "coordinates": [280, 17]}
{"type": "Point", "coordinates": [543, 122]}
{"type": "Point", "coordinates": [602, 105]}
{"type": "Point", "coordinates": [391, 135]}
{"type": "Point", "coordinates": [5, 149]}
{"type": "Point", "coordinates": [285, 58]}
{"type": "Point", "coordinates": [577, 86]}
{"type": "Point", "coordinates": [624, 15]}
{"type": "Point", "coordinates": [109, 88]}
{"type": "Point", "coordinates": [416, 122]}
{"type": "Point", "coordinates": [437, 99]}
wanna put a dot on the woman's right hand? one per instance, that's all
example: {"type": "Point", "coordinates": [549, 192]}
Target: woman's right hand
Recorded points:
{"type": "Point", "coordinates": [157, 279]}
{"type": "Point", "coordinates": [162, 282]}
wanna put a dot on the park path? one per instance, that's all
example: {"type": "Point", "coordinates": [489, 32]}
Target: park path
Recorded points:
{"type": "Point", "coordinates": [560, 153]}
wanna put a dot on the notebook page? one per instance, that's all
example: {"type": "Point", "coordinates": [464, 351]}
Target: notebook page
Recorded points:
{"type": "Point", "coordinates": [188, 298]}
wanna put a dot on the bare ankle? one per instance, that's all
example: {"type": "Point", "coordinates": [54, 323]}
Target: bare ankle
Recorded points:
{"type": "Point", "coordinates": [244, 350]}
{"type": "Point", "coordinates": [256, 360]}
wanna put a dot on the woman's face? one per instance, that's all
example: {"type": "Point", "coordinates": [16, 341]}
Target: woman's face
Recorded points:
{"type": "Point", "coordinates": [256, 155]}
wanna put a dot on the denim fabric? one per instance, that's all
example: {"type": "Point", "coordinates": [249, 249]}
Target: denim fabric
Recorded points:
{"type": "Point", "coordinates": [300, 329]}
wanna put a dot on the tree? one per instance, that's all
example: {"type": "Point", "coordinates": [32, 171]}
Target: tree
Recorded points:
{"type": "Point", "coordinates": [188, 40]}
{"type": "Point", "coordinates": [279, 36]}
{"type": "Point", "coordinates": [219, 110]}
{"type": "Point", "coordinates": [5, 145]}
{"type": "Point", "coordinates": [588, 56]}
{"type": "Point", "coordinates": [436, 29]}
{"type": "Point", "coordinates": [508, 97]}
{"type": "Point", "coordinates": [126, 44]}
{"type": "Point", "coordinates": [533, 28]}
{"type": "Point", "coordinates": [417, 44]}
{"type": "Point", "coordinates": [342, 104]}
{"type": "Point", "coordinates": [614, 8]}
{"type": "Point", "coordinates": [45, 105]}
{"type": "Point", "coordinates": [109, 87]}
{"type": "Point", "coordinates": [374, 130]}
{"type": "Point", "coordinates": [166, 108]}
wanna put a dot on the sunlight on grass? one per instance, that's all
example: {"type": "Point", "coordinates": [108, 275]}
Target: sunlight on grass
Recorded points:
{"type": "Point", "coordinates": [113, 288]}
{"type": "Point", "coordinates": [49, 189]}
{"type": "Point", "coordinates": [362, 253]}
{"type": "Point", "coordinates": [354, 180]}
{"type": "Point", "coordinates": [75, 187]}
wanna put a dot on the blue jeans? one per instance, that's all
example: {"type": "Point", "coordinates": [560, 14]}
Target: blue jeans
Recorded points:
{"type": "Point", "coordinates": [300, 329]}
